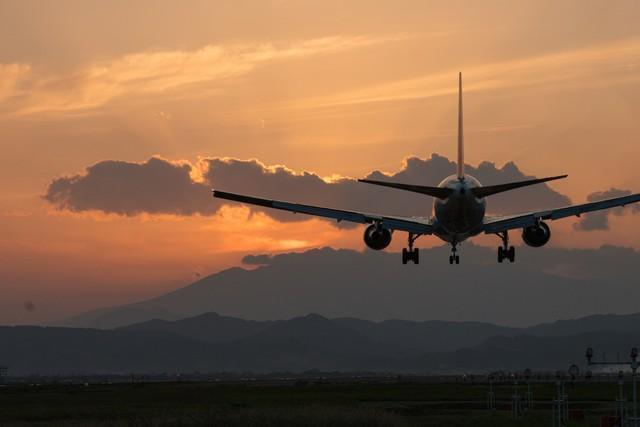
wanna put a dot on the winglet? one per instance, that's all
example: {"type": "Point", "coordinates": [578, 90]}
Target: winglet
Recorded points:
{"type": "Point", "coordinates": [460, 131]}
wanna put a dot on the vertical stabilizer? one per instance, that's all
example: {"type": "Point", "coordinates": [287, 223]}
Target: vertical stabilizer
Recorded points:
{"type": "Point", "coordinates": [460, 132]}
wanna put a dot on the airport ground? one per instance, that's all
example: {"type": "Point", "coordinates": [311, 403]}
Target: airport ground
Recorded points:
{"type": "Point", "coordinates": [386, 401]}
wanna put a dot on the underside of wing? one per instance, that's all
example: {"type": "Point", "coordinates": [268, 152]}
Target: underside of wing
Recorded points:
{"type": "Point", "coordinates": [417, 225]}
{"type": "Point", "coordinates": [504, 223]}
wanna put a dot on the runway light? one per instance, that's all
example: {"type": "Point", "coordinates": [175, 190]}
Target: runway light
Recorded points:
{"type": "Point", "coordinates": [574, 371]}
{"type": "Point", "coordinates": [589, 354]}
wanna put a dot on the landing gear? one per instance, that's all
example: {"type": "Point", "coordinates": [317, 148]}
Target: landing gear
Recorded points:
{"type": "Point", "coordinates": [505, 251]}
{"type": "Point", "coordinates": [411, 254]}
{"type": "Point", "coordinates": [454, 257]}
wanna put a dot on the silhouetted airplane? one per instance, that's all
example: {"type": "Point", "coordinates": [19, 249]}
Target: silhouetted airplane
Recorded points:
{"type": "Point", "coordinates": [458, 211]}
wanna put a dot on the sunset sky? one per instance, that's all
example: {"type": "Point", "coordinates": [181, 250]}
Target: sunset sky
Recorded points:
{"type": "Point", "coordinates": [334, 89]}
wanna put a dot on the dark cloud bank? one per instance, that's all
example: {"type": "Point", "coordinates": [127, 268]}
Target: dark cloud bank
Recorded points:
{"type": "Point", "coordinates": [600, 220]}
{"type": "Point", "coordinates": [156, 186]}
{"type": "Point", "coordinates": [159, 186]}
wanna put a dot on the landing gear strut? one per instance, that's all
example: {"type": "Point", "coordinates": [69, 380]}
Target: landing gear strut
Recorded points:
{"type": "Point", "coordinates": [505, 251]}
{"type": "Point", "coordinates": [454, 257]}
{"type": "Point", "coordinates": [411, 254]}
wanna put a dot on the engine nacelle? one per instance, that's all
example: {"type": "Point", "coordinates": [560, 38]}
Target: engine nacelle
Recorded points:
{"type": "Point", "coordinates": [536, 235]}
{"type": "Point", "coordinates": [377, 237]}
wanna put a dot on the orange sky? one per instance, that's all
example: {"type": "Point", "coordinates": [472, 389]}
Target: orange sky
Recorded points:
{"type": "Point", "coordinates": [337, 88]}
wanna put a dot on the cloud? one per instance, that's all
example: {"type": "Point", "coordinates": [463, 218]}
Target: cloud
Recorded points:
{"type": "Point", "coordinates": [149, 73]}
{"type": "Point", "coordinates": [278, 182]}
{"type": "Point", "coordinates": [159, 186]}
{"type": "Point", "coordinates": [156, 186]}
{"type": "Point", "coordinates": [12, 77]}
{"type": "Point", "coordinates": [578, 67]}
{"type": "Point", "coordinates": [600, 220]}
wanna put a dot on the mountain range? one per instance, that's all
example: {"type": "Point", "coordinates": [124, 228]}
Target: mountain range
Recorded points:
{"type": "Point", "coordinates": [543, 285]}
{"type": "Point", "coordinates": [211, 343]}
{"type": "Point", "coordinates": [373, 314]}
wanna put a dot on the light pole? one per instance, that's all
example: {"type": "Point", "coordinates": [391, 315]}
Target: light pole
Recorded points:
{"type": "Point", "coordinates": [574, 371]}
{"type": "Point", "coordinates": [515, 399]}
{"type": "Point", "coordinates": [491, 397]}
{"type": "Point", "coordinates": [559, 419]}
{"type": "Point", "coordinates": [529, 396]}
{"type": "Point", "coordinates": [621, 401]}
{"type": "Point", "coordinates": [634, 368]}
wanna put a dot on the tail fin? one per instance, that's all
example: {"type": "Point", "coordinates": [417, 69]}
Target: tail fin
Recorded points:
{"type": "Point", "coordinates": [460, 132]}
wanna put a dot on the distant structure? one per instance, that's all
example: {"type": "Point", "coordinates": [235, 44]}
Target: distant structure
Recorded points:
{"type": "Point", "coordinates": [634, 365]}
{"type": "Point", "coordinates": [3, 373]}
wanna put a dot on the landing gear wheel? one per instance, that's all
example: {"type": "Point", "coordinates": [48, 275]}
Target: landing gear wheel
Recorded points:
{"type": "Point", "coordinates": [509, 254]}
{"type": "Point", "coordinates": [505, 251]}
{"type": "Point", "coordinates": [454, 257]}
{"type": "Point", "coordinates": [410, 255]}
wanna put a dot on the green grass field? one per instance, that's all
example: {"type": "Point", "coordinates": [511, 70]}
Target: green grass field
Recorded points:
{"type": "Point", "coordinates": [308, 404]}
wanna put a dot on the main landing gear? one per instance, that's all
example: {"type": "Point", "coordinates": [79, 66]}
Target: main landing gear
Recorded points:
{"type": "Point", "coordinates": [505, 251]}
{"type": "Point", "coordinates": [411, 254]}
{"type": "Point", "coordinates": [454, 257]}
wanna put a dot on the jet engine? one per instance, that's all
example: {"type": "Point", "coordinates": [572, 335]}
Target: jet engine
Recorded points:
{"type": "Point", "coordinates": [377, 237]}
{"type": "Point", "coordinates": [536, 235]}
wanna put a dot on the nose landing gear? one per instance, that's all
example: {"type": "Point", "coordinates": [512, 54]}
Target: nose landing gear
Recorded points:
{"type": "Point", "coordinates": [505, 251]}
{"type": "Point", "coordinates": [454, 257]}
{"type": "Point", "coordinates": [411, 254]}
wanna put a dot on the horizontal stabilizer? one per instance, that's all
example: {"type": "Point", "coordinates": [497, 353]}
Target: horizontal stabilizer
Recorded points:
{"type": "Point", "coordinates": [439, 192]}
{"type": "Point", "coordinates": [481, 192]}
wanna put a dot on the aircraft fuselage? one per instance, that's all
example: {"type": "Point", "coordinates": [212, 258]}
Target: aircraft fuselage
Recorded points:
{"type": "Point", "coordinates": [458, 211]}
{"type": "Point", "coordinates": [460, 215]}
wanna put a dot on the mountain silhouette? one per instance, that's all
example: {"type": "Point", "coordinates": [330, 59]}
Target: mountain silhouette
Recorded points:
{"type": "Point", "coordinates": [544, 285]}
{"type": "Point", "coordinates": [212, 343]}
{"type": "Point", "coordinates": [208, 327]}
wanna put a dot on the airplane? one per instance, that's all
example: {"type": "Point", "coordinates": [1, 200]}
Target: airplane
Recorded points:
{"type": "Point", "coordinates": [459, 208]}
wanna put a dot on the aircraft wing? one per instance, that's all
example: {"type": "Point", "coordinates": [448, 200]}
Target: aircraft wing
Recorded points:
{"type": "Point", "coordinates": [415, 225]}
{"type": "Point", "coordinates": [504, 223]}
